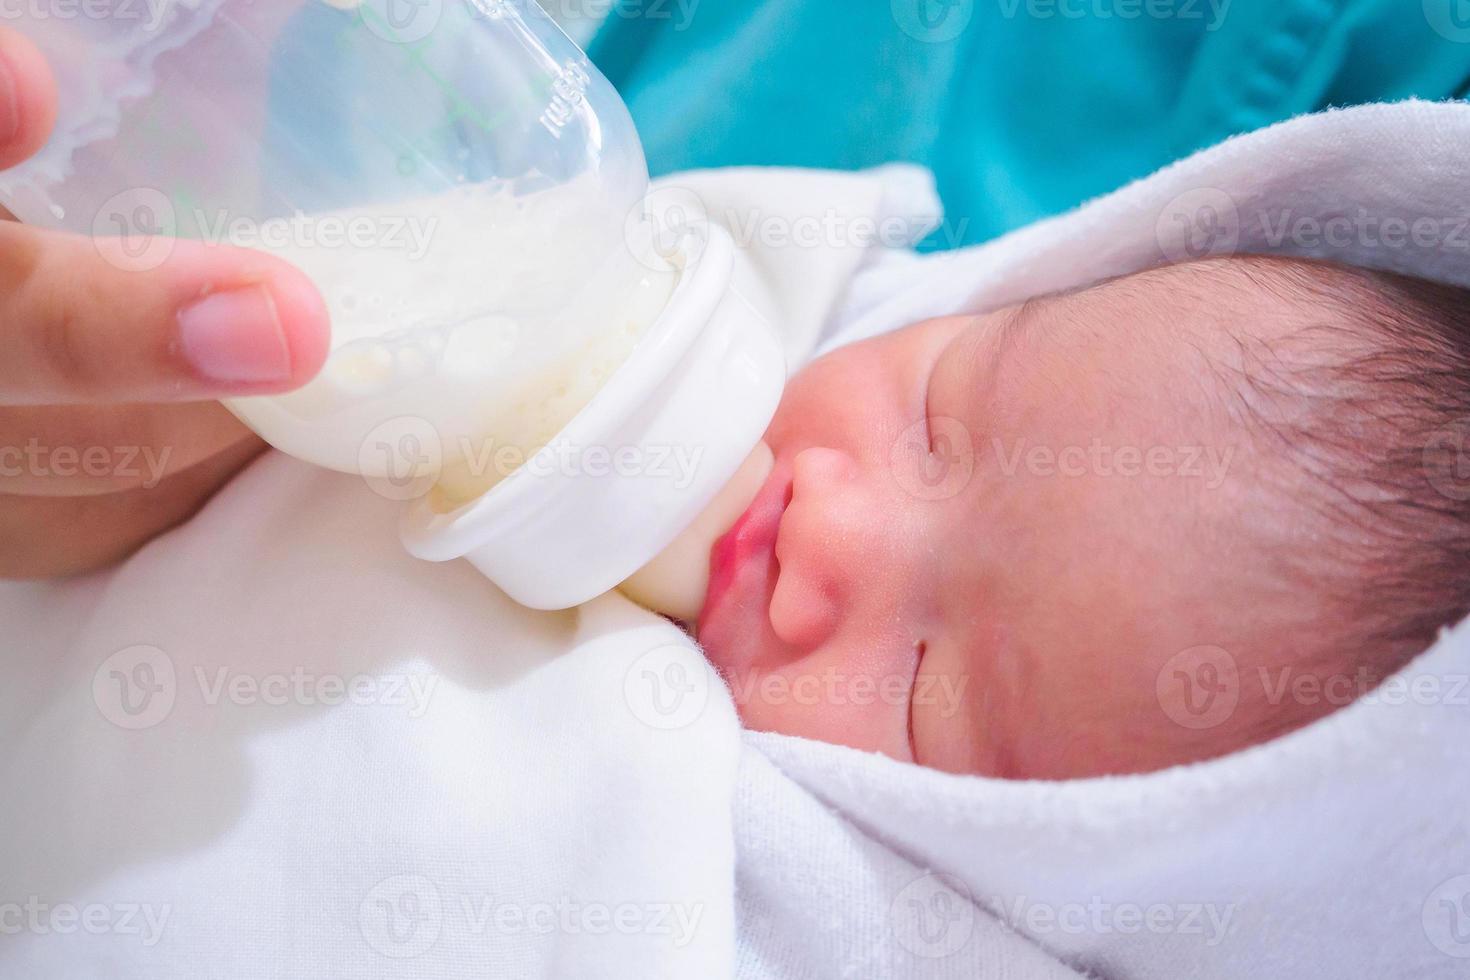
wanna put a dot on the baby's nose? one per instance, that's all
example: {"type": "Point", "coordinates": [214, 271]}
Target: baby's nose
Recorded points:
{"type": "Point", "coordinates": [850, 503]}
{"type": "Point", "coordinates": [833, 507]}
{"type": "Point", "coordinates": [833, 546]}
{"type": "Point", "coordinates": [820, 470]}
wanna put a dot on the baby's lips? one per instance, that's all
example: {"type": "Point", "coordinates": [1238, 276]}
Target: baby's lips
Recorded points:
{"type": "Point", "coordinates": [748, 550]}
{"type": "Point", "coordinates": [676, 582]}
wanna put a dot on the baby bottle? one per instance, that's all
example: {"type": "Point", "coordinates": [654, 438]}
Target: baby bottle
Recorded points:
{"type": "Point", "coordinates": [554, 378]}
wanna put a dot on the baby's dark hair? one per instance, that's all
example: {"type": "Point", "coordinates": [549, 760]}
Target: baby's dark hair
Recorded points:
{"type": "Point", "coordinates": [1371, 400]}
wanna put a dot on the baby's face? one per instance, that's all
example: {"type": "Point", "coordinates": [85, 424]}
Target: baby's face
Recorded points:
{"type": "Point", "coordinates": [986, 538]}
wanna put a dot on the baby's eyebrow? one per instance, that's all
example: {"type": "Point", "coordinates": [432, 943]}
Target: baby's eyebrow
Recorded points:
{"type": "Point", "coordinates": [1014, 332]}
{"type": "Point", "coordinates": [971, 363]}
{"type": "Point", "coordinates": [1021, 320]}
{"type": "Point", "coordinates": [994, 346]}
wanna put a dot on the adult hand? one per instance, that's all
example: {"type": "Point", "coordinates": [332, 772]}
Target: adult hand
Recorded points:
{"type": "Point", "coordinates": [110, 431]}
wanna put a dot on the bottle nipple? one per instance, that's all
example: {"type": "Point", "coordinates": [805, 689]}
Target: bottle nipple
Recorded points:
{"type": "Point", "coordinates": [675, 581]}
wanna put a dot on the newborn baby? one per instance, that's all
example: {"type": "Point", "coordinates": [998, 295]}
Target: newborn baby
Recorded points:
{"type": "Point", "coordinates": [1034, 543]}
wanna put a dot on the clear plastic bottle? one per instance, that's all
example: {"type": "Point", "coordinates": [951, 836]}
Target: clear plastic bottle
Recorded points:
{"type": "Point", "coordinates": [469, 194]}
{"type": "Point", "coordinates": [457, 179]}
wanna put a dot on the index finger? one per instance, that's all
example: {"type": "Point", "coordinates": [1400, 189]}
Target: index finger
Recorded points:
{"type": "Point", "coordinates": [27, 98]}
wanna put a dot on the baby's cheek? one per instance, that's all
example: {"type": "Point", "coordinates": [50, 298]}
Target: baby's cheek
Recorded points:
{"type": "Point", "coordinates": [830, 696]}
{"type": "Point", "coordinates": [959, 715]}
{"type": "Point", "coordinates": [839, 401]}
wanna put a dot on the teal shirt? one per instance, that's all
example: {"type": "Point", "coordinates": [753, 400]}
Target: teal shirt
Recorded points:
{"type": "Point", "coordinates": [1022, 108]}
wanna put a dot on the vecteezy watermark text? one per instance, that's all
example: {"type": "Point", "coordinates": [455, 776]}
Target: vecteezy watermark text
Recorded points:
{"type": "Point", "coordinates": [406, 915]}
{"type": "Point", "coordinates": [151, 12]}
{"type": "Point", "coordinates": [137, 229]}
{"type": "Point", "coordinates": [1363, 685]}
{"type": "Point", "coordinates": [860, 689]}
{"type": "Point", "coordinates": [1097, 458]}
{"type": "Point", "coordinates": [679, 13]}
{"type": "Point", "coordinates": [144, 464]}
{"type": "Point", "coordinates": [411, 234]}
{"type": "Point", "coordinates": [1211, 12]}
{"type": "Point", "coordinates": [299, 686]}
{"type": "Point", "coordinates": [41, 918]}
{"type": "Point", "coordinates": [408, 455]}
{"type": "Point", "coordinates": [1099, 917]}
{"type": "Point", "coordinates": [1208, 222]}
{"type": "Point", "coordinates": [138, 688]}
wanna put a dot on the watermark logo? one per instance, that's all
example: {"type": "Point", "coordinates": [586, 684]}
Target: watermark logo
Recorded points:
{"type": "Point", "coordinates": [834, 228]}
{"type": "Point", "coordinates": [406, 916]}
{"type": "Point", "coordinates": [933, 916]}
{"type": "Point", "coordinates": [1449, 18]}
{"type": "Point", "coordinates": [933, 459]}
{"type": "Point", "coordinates": [411, 235]}
{"type": "Point", "coordinates": [1363, 230]}
{"type": "Point", "coordinates": [668, 687]}
{"type": "Point", "coordinates": [1199, 688]}
{"type": "Point", "coordinates": [139, 687]}
{"type": "Point", "coordinates": [402, 458]}
{"type": "Point", "coordinates": [1207, 464]}
{"type": "Point", "coordinates": [401, 917]}
{"type": "Point", "coordinates": [670, 225]}
{"type": "Point", "coordinates": [136, 687]}
{"type": "Point", "coordinates": [1211, 922]}
{"type": "Point", "coordinates": [1210, 12]}
{"type": "Point", "coordinates": [1446, 917]}
{"type": "Point", "coordinates": [1446, 465]}
{"type": "Point", "coordinates": [1363, 685]}
{"type": "Point", "coordinates": [679, 13]}
{"type": "Point", "coordinates": [676, 922]}
{"type": "Point", "coordinates": [135, 229]}
{"type": "Point", "coordinates": [401, 21]}
{"type": "Point", "coordinates": [1207, 222]}
{"type": "Point", "coordinates": [944, 693]}
{"type": "Point", "coordinates": [306, 688]}
{"type": "Point", "coordinates": [932, 21]}
{"type": "Point", "coordinates": [1198, 224]}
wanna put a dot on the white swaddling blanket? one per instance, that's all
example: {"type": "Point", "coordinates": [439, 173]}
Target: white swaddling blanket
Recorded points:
{"type": "Point", "coordinates": [273, 745]}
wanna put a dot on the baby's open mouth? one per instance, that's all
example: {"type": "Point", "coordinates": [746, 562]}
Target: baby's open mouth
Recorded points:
{"type": "Point", "coordinates": [743, 565]}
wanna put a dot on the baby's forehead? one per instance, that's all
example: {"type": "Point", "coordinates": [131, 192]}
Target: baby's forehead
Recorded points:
{"type": "Point", "coordinates": [1197, 349]}
{"type": "Point", "coordinates": [1239, 313]}
{"type": "Point", "coordinates": [1264, 295]}
{"type": "Point", "coordinates": [1191, 350]}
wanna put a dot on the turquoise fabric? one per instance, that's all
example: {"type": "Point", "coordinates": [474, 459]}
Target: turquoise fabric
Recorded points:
{"type": "Point", "coordinates": [1023, 108]}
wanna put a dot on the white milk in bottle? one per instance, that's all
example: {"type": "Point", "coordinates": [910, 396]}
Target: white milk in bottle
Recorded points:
{"type": "Point", "coordinates": [460, 345]}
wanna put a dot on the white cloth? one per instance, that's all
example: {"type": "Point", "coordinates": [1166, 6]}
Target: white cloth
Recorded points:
{"type": "Point", "coordinates": [588, 758]}
{"type": "Point", "coordinates": [1342, 850]}
{"type": "Point", "coordinates": [271, 744]}
{"type": "Point", "coordinates": [346, 763]}
{"type": "Point", "coordinates": [1347, 185]}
